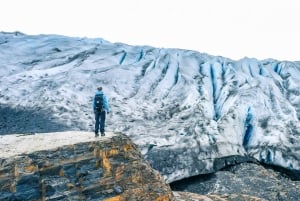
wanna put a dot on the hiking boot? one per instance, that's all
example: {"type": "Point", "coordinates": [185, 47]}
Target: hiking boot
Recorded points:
{"type": "Point", "coordinates": [96, 134]}
{"type": "Point", "coordinates": [102, 134]}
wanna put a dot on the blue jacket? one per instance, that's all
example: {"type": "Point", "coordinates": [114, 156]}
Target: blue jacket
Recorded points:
{"type": "Point", "coordinates": [105, 103]}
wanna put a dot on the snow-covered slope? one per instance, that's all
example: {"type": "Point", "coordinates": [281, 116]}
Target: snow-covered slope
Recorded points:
{"type": "Point", "coordinates": [189, 112]}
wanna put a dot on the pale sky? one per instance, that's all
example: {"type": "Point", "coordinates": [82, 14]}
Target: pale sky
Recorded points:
{"type": "Point", "coordinates": [230, 28]}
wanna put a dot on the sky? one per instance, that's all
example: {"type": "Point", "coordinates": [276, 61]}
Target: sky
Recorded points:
{"type": "Point", "coordinates": [230, 28]}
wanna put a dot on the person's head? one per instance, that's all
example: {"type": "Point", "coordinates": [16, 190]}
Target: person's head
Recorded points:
{"type": "Point", "coordinates": [99, 88]}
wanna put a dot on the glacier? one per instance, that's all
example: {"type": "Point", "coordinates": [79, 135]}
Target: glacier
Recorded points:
{"type": "Point", "coordinates": [190, 113]}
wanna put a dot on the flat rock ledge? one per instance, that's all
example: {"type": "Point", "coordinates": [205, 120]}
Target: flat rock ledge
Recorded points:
{"type": "Point", "coordinates": [77, 166]}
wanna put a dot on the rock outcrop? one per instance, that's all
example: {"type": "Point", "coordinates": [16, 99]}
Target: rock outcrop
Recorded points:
{"type": "Point", "coordinates": [76, 166]}
{"type": "Point", "coordinates": [244, 180]}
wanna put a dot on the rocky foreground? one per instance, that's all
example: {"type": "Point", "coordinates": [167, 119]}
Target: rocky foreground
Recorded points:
{"type": "Point", "coordinates": [244, 180]}
{"type": "Point", "coordinates": [78, 166]}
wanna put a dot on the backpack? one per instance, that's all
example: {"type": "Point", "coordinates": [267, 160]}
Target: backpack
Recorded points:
{"type": "Point", "coordinates": [99, 102]}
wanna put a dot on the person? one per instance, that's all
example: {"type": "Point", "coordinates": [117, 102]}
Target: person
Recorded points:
{"type": "Point", "coordinates": [100, 107]}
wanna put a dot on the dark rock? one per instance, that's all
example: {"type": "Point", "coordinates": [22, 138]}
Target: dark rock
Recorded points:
{"type": "Point", "coordinates": [118, 189]}
{"type": "Point", "coordinates": [248, 179]}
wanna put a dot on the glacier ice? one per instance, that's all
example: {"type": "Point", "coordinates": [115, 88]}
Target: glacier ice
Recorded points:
{"type": "Point", "coordinates": [189, 112]}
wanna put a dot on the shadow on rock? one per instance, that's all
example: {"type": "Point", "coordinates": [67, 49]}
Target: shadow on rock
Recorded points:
{"type": "Point", "coordinates": [198, 184]}
{"type": "Point", "coordinates": [22, 120]}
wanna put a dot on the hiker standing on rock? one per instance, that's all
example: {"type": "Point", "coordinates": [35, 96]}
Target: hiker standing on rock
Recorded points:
{"type": "Point", "coordinates": [100, 107]}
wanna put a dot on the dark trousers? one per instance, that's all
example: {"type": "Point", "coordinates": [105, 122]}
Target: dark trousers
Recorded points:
{"type": "Point", "coordinates": [100, 120]}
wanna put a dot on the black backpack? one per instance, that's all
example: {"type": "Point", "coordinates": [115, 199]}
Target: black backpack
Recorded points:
{"type": "Point", "coordinates": [99, 102]}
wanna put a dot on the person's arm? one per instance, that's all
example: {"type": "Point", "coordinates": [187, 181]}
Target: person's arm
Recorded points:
{"type": "Point", "coordinates": [93, 102]}
{"type": "Point", "coordinates": [106, 106]}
